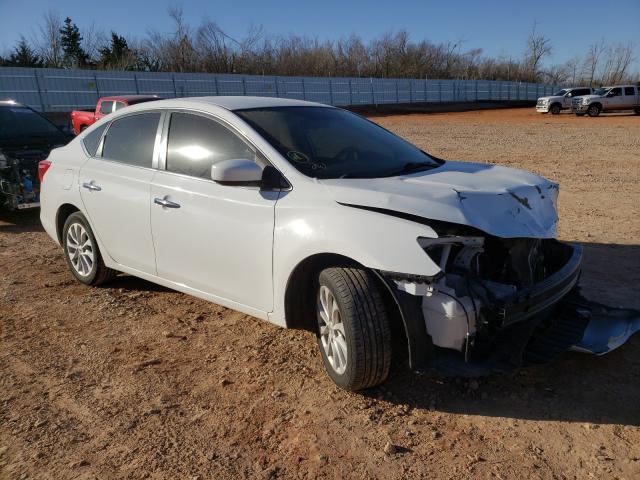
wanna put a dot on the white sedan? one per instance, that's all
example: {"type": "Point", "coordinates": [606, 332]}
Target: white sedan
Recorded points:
{"type": "Point", "coordinates": [312, 217]}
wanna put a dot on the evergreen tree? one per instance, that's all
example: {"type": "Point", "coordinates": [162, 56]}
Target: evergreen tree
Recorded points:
{"type": "Point", "coordinates": [118, 55]}
{"type": "Point", "coordinates": [74, 55]}
{"type": "Point", "coordinates": [23, 56]}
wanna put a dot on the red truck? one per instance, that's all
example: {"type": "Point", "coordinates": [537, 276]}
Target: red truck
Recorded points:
{"type": "Point", "coordinates": [81, 119]}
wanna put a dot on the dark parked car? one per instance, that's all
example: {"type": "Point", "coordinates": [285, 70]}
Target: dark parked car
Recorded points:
{"type": "Point", "coordinates": [26, 138]}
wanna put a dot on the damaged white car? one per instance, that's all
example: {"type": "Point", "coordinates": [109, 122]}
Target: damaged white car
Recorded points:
{"type": "Point", "coordinates": [312, 217]}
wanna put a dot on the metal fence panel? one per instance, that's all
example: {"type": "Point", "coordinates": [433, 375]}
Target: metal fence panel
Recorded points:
{"type": "Point", "coordinates": [50, 89]}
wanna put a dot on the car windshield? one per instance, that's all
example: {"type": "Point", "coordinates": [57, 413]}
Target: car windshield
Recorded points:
{"type": "Point", "coordinates": [18, 121]}
{"type": "Point", "coordinates": [326, 142]}
{"type": "Point", "coordinates": [601, 91]}
{"type": "Point", "coordinates": [560, 93]}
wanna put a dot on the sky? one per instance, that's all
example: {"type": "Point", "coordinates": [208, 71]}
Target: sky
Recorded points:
{"type": "Point", "coordinates": [497, 26]}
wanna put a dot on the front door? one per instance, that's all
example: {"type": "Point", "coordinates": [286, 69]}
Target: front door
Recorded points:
{"type": "Point", "coordinates": [115, 190]}
{"type": "Point", "coordinates": [214, 238]}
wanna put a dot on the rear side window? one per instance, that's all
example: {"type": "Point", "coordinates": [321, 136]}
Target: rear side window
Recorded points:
{"type": "Point", "coordinates": [92, 140]}
{"type": "Point", "coordinates": [195, 143]}
{"type": "Point", "coordinates": [106, 107]}
{"type": "Point", "coordinates": [629, 91]}
{"type": "Point", "coordinates": [120, 105]}
{"type": "Point", "coordinates": [131, 139]}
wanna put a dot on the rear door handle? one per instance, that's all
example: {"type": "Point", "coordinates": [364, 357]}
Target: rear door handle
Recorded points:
{"type": "Point", "coordinates": [165, 203]}
{"type": "Point", "coordinates": [91, 186]}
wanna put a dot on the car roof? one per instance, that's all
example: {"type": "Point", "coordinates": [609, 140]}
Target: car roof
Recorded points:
{"type": "Point", "coordinates": [11, 102]}
{"type": "Point", "coordinates": [237, 102]}
{"type": "Point", "coordinates": [130, 98]}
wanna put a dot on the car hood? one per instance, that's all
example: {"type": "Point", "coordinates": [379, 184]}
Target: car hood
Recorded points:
{"type": "Point", "coordinates": [552, 97]}
{"type": "Point", "coordinates": [500, 201]}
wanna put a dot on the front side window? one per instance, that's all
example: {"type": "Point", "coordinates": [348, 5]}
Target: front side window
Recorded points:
{"type": "Point", "coordinates": [615, 92]}
{"type": "Point", "coordinates": [106, 107]}
{"type": "Point", "coordinates": [92, 140]}
{"type": "Point", "coordinates": [629, 91]}
{"type": "Point", "coordinates": [195, 143]}
{"type": "Point", "coordinates": [324, 142]}
{"type": "Point", "coordinates": [131, 139]}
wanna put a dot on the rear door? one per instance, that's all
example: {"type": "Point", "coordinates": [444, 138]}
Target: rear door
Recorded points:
{"type": "Point", "coordinates": [630, 97]}
{"type": "Point", "coordinates": [214, 238]}
{"type": "Point", "coordinates": [115, 189]}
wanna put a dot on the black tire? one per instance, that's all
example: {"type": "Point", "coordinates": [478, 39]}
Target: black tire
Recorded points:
{"type": "Point", "coordinates": [636, 111]}
{"type": "Point", "coordinates": [98, 273]}
{"type": "Point", "coordinates": [593, 110]}
{"type": "Point", "coordinates": [365, 321]}
{"type": "Point", "coordinates": [555, 109]}
{"type": "Point", "coordinates": [580, 114]}
{"type": "Point", "coordinates": [83, 128]}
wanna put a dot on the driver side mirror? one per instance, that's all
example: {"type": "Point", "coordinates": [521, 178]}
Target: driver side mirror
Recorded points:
{"type": "Point", "coordinates": [238, 172]}
{"type": "Point", "coordinates": [570, 94]}
{"type": "Point", "coordinates": [243, 172]}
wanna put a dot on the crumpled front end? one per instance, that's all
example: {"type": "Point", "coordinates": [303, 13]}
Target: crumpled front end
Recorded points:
{"type": "Point", "coordinates": [506, 303]}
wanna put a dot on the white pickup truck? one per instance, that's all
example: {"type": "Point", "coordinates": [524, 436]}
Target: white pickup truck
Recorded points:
{"type": "Point", "coordinates": [561, 100]}
{"type": "Point", "coordinates": [606, 99]}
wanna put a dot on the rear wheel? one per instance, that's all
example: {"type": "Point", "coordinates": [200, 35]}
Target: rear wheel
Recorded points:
{"type": "Point", "coordinates": [555, 109]}
{"type": "Point", "coordinates": [353, 328]}
{"type": "Point", "coordinates": [83, 128]}
{"type": "Point", "coordinates": [81, 252]}
{"type": "Point", "coordinates": [580, 114]}
{"type": "Point", "coordinates": [593, 111]}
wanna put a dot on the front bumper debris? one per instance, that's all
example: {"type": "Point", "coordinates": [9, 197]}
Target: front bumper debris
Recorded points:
{"type": "Point", "coordinates": [608, 329]}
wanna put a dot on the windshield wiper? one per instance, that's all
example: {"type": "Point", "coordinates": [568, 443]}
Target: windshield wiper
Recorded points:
{"type": "Point", "coordinates": [411, 167]}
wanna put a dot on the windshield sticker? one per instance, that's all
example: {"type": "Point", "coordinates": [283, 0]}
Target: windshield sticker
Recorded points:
{"type": "Point", "coordinates": [298, 157]}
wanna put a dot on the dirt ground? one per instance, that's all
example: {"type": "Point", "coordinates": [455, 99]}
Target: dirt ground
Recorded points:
{"type": "Point", "coordinates": [132, 380]}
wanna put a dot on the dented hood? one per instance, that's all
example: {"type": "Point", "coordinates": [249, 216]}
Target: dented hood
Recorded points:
{"type": "Point", "coordinates": [500, 201]}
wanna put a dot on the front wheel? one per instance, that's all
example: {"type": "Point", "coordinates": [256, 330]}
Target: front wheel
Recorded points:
{"type": "Point", "coordinates": [353, 328]}
{"type": "Point", "coordinates": [555, 109]}
{"type": "Point", "coordinates": [81, 252]}
{"type": "Point", "coordinates": [580, 114]}
{"type": "Point", "coordinates": [593, 111]}
{"type": "Point", "coordinates": [636, 111]}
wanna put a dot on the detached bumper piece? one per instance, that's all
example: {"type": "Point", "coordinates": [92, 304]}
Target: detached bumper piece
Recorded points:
{"type": "Point", "coordinates": [578, 325]}
{"type": "Point", "coordinates": [608, 329]}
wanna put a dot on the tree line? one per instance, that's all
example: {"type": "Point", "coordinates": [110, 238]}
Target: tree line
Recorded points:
{"type": "Point", "coordinates": [207, 48]}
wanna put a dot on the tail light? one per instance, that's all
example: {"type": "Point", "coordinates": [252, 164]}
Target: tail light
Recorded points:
{"type": "Point", "coordinates": [43, 166]}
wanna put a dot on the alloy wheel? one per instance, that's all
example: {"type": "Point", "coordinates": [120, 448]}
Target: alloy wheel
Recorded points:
{"type": "Point", "coordinates": [80, 249]}
{"type": "Point", "coordinates": [332, 332]}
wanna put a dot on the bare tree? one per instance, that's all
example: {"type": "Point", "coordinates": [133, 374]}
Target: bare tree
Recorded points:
{"type": "Point", "coordinates": [48, 41]}
{"type": "Point", "coordinates": [618, 59]}
{"type": "Point", "coordinates": [538, 47]}
{"type": "Point", "coordinates": [592, 60]}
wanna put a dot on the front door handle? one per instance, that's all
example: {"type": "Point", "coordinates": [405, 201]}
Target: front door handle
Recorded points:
{"type": "Point", "coordinates": [165, 203]}
{"type": "Point", "coordinates": [91, 186]}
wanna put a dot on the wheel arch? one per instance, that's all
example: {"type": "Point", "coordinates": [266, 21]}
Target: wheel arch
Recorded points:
{"type": "Point", "coordinates": [405, 313]}
{"type": "Point", "coordinates": [62, 214]}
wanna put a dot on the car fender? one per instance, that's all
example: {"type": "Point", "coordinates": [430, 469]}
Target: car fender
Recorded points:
{"type": "Point", "coordinates": [314, 225]}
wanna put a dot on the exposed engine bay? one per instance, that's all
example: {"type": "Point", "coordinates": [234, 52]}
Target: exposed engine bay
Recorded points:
{"type": "Point", "coordinates": [19, 183]}
{"type": "Point", "coordinates": [504, 303]}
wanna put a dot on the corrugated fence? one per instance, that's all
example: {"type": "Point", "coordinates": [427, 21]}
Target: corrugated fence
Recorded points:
{"type": "Point", "coordinates": [54, 90]}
